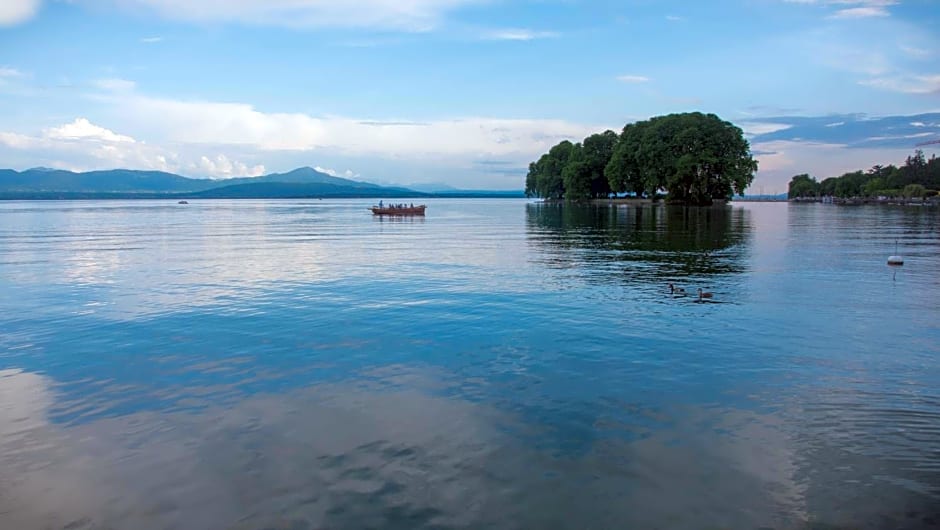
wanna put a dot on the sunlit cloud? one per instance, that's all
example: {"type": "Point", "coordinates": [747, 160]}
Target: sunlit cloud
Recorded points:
{"type": "Point", "coordinates": [81, 145]}
{"type": "Point", "coordinates": [860, 12]}
{"type": "Point", "coordinates": [14, 12]}
{"type": "Point", "coordinates": [911, 84]}
{"type": "Point", "coordinates": [348, 174]}
{"type": "Point", "coordinates": [239, 124]}
{"type": "Point", "coordinates": [519, 34]}
{"type": "Point", "coordinates": [852, 9]}
{"type": "Point", "coordinates": [915, 51]}
{"type": "Point", "coordinates": [7, 72]}
{"type": "Point", "coordinates": [633, 79]}
{"type": "Point", "coordinates": [115, 84]}
{"type": "Point", "coordinates": [402, 15]}
{"type": "Point", "coordinates": [758, 128]}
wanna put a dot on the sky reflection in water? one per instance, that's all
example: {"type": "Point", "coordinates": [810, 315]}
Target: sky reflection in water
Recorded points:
{"type": "Point", "coordinates": [498, 364]}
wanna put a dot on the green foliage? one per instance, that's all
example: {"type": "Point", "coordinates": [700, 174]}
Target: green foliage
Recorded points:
{"type": "Point", "coordinates": [913, 190]}
{"type": "Point", "coordinates": [696, 158]}
{"type": "Point", "coordinates": [576, 175]}
{"type": "Point", "coordinates": [598, 150]}
{"type": "Point", "coordinates": [623, 171]}
{"type": "Point", "coordinates": [873, 187]}
{"type": "Point", "coordinates": [545, 176]}
{"type": "Point", "coordinates": [879, 181]}
{"type": "Point", "coordinates": [802, 186]}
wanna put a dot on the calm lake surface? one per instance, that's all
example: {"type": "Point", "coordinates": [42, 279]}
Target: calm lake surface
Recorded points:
{"type": "Point", "coordinates": [499, 364]}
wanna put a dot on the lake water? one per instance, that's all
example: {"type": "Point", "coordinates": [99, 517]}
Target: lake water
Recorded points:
{"type": "Point", "coordinates": [499, 364]}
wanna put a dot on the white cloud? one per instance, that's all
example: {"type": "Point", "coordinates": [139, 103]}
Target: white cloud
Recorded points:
{"type": "Point", "coordinates": [179, 133]}
{"type": "Point", "coordinates": [349, 174]}
{"type": "Point", "coordinates": [758, 128]}
{"type": "Point", "coordinates": [897, 137]}
{"type": "Point", "coordinates": [82, 129]}
{"type": "Point", "coordinates": [82, 145]}
{"type": "Point", "coordinates": [88, 146]}
{"type": "Point", "coordinates": [914, 51]}
{"type": "Point", "coordinates": [909, 84]}
{"type": "Point", "coordinates": [674, 18]}
{"type": "Point", "coordinates": [17, 141]}
{"type": "Point", "coordinates": [151, 40]}
{"type": "Point", "coordinates": [852, 9]}
{"type": "Point", "coordinates": [519, 34]}
{"type": "Point", "coordinates": [238, 124]}
{"type": "Point", "coordinates": [115, 84]}
{"type": "Point", "coordinates": [13, 12]}
{"type": "Point", "coordinates": [407, 15]}
{"type": "Point", "coordinates": [860, 12]}
{"type": "Point", "coordinates": [222, 167]}
{"type": "Point", "coordinates": [9, 72]}
{"type": "Point", "coordinates": [633, 79]}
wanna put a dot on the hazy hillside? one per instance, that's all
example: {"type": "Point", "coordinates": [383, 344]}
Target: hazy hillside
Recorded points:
{"type": "Point", "coordinates": [115, 180]}
{"type": "Point", "coordinates": [130, 181]}
{"type": "Point", "coordinates": [275, 190]}
{"type": "Point", "coordinates": [44, 183]}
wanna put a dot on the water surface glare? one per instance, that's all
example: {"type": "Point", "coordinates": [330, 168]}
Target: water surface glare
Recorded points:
{"type": "Point", "coordinates": [498, 364]}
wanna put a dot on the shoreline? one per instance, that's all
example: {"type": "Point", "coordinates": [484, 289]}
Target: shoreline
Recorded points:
{"type": "Point", "coordinates": [854, 201]}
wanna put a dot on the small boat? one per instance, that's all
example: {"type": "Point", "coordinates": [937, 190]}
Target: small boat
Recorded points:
{"type": "Point", "coordinates": [398, 210]}
{"type": "Point", "coordinates": [183, 202]}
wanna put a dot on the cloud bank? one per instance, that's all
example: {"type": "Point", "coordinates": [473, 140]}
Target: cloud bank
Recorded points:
{"type": "Point", "coordinates": [402, 15]}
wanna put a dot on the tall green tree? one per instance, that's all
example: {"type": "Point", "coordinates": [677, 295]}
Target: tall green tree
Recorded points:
{"type": "Point", "coordinates": [545, 177]}
{"type": "Point", "coordinates": [802, 186]}
{"type": "Point", "coordinates": [597, 150]}
{"type": "Point", "coordinates": [697, 158]}
{"type": "Point", "coordinates": [624, 172]}
{"type": "Point", "coordinates": [828, 186]}
{"type": "Point", "coordinates": [577, 175]}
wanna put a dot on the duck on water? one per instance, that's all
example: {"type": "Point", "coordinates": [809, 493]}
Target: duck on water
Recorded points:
{"type": "Point", "coordinates": [703, 296]}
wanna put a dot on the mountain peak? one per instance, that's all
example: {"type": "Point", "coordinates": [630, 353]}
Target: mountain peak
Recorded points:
{"type": "Point", "coordinates": [305, 169]}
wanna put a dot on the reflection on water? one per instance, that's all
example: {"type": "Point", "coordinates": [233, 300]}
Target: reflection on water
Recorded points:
{"type": "Point", "coordinates": [301, 364]}
{"type": "Point", "coordinates": [642, 243]}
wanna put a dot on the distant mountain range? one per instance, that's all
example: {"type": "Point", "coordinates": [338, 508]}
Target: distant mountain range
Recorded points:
{"type": "Point", "coordinates": [45, 183]}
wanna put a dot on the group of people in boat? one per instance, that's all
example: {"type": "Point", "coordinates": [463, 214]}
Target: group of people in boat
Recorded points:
{"type": "Point", "coordinates": [397, 206]}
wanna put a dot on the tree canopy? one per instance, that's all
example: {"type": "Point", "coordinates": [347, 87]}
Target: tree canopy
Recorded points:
{"type": "Point", "coordinates": [888, 181]}
{"type": "Point", "coordinates": [545, 175]}
{"type": "Point", "coordinates": [696, 158]}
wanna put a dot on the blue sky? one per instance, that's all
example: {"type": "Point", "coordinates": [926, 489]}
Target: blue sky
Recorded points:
{"type": "Point", "coordinates": [462, 92]}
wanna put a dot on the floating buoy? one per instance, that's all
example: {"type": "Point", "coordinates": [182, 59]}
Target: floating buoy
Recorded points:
{"type": "Point", "coordinates": [895, 260]}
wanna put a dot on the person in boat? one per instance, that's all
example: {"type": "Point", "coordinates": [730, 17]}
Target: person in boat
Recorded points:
{"type": "Point", "coordinates": [380, 204]}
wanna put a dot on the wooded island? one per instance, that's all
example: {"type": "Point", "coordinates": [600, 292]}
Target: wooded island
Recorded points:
{"type": "Point", "coordinates": [695, 158]}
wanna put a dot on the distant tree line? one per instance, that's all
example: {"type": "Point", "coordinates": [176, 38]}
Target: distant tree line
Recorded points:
{"type": "Point", "coordinates": [694, 158]}
{"type": "Point", "coordinates": [918, 177]}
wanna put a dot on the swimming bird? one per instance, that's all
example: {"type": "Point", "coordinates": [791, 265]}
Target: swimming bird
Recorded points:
{"type": "Point", "coordinates": [676, 290]}
{"type": "Point", "coordinates": [703, 294]}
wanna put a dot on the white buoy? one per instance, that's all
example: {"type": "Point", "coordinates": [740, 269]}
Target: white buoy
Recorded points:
{"type": "Point", "coordinates": [896, 259]}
